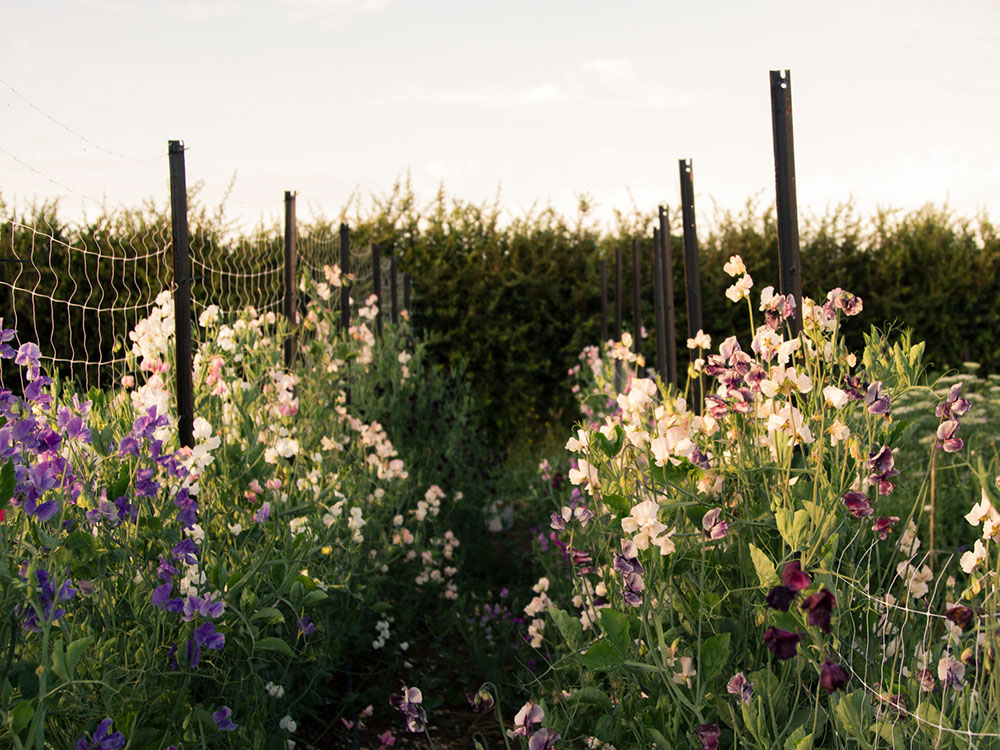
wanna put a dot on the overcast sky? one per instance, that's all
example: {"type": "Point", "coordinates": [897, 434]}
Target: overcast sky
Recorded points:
{"type": "Point", "coordinates": [895, 103]}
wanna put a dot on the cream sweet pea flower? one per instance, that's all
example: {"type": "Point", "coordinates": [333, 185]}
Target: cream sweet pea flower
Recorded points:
{"type": "Point", "coordinates": [971, 559]}
{"type": "Point", "coordinates": [642, 522]}
{"type": "Point", "coordinates": [735, 266]}
{"type": "Point", "coordinates": [834, 396]}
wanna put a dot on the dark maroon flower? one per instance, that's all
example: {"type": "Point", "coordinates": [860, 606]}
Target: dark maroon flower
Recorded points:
{"type": "Point", "coordinates": [708, 736]}
{"type": "Point", "coordinates": [582, 560]}
{"type": "Point", "coordinates": [832, 676]}
{"type": "Point", "coordinates": [780, 597]}
{"type": "Point", "coordinates": [855, 387]}
{"type": "Point", "coordinates": [857, 504]}
{"type": "Point", "coordinates": [782, 643]}
{"type": "Point", "coordinates": [883, 525]}
{"type": "Point", "coordinates": [819, 606]}
{"type": "Point", "coordinates": [793, 577]}
{"type": "Point", "coordinates": [882, 465]}
{"type": "Point", "coordinates": [961, 616]}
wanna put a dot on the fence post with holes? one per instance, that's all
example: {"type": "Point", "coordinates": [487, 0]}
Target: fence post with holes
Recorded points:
{"type": "Point", "coordinates": [636, 296]}
{"type": "Point", "coordinates": [290, 303]}
{"type": "Point", "coordinates": [377, 283]}
{"type": "Point", "coordinates": [345, 269]}
{"type": "Point", "coordinates": [182, 297]}
{"type": "Point", "coordinates": [789, 260]}
{"type": "Point", "coordinates": [692, 277]}
{"type": "Point", "coordinates": [666, 255]}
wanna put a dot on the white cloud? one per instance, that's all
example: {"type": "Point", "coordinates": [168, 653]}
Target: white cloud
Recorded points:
{"type": "Point", "coordinates": [546, 93]}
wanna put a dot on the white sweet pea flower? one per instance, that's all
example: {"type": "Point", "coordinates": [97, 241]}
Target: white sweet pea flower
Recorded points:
{"type": "Point", "coordinates": [971, 559]}
{"type": "Point", "coordinates": [735, 266]}
{"type": "Point", "coordinates": [834, 396]}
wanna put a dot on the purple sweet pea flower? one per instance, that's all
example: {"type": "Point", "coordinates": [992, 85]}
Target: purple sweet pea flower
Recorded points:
{"type": "Point", "coordinates": [206, 635]}
{"type": "Point", "coordinates": [185, 551]}
{"type": "Point", "coordinates": [161, 595]}
{"type": "Point", "coordinates": [543, 739]}
{"type": "Point", "coordinates": [409, 705]}
{"type": "Point", "coordinates": [712, 526]}
{"type": "Point", "coordinates": [857, 504]}
{"type": "Point", "coordinates": [482, 700]}
{"type": "Point", "coordinates": [263, 513]}
{"type": "Point", "coordinates": [305, 626]}
{"type": "Point", "coordinates": [557, 523]}
{"type": "Point", "coordinates": [954, 405]}
{"type": "Point", "coordinates": [883, 525]}
{"type": "Point", "coordinates": [877, 402]}
{"type": "Point", "coordinates": [882, 463]}
{"type": "Point", "coordinates": [529, 715]}
{"type": "Point", "coordinates": [708, 736]}
{"type": "Point", "coordinates": [28, 355]}
{"type": "Point", "coordinates": [946, 435]}
{"type": "Point", "coordinates": [819, 607]}
{"type": "Point", "coordinates": [782, 643]}
{"type": "Point", "coordinates": [100, 739]}
{"type": "Point", "coordinates": [223, 721]}
{"type": "Point", "coordinates": [793, 577]}
{"type": "Point", "coordinates": [832, 677]}
{"type": "Point", "coordinates": [780, 597]}
{"type": "Point", "coordinates": [741, 687]}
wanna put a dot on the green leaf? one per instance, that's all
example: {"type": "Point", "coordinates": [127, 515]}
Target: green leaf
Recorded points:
{"type": "Point", "coordinates": [936, 727]}
{"type": "Point", "coordinates": [848, 714]}
{"type": "Point", "coordinates": [270, 615]}
{"type": "Point", "coordinates": [766, 573]}
{"type": "Point", "coordinates": [654, 736]}
{"type": "Point", "coordinates": [82, 546]}
{"type": "Point", "coordinates": [273, 644]}
{"type": "Point", "coordinates": [601, 656]}
{"type": "Point", "coordinates": [314, 597]}
{"type": "Point", "coordinates": [792, 527]}
{"type": "Point", "coordinates": [714, 654]}
{"type": "Point", "coordinates": [891, 733]}
{"type": "Point", "coordinates": [74, 651]}
{"type": "Point", "coordinates": [617, 504]}
{"type": "Point", "coordinates": [22, 714]}
{"type": "Point", "coordinates": [799, 740]}
{"type": "Point", "coordinates": [7, 483]}
{"type": "Point", "coordinates": [569, 626]}
{"type": "Point", "coordinates": [616, 626]}
{"type": "Point", "coordinates": [59, 661]}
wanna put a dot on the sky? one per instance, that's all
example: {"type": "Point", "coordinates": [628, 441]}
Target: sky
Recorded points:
{"type": "Point", "coordinates": [895, 103]}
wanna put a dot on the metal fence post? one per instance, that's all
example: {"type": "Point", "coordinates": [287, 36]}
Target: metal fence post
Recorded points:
{"type": "Point", "coordinates": [659, 319]}
{"type": "Point", "coordinates": [604, 302]}
{"type": "Point", "coordinates": [290, 303]}
{"type": "Point", "coordinates": [393, 290]}
{"type": "Point", "coordinates": [618, 315]}
{"type": "Point", "coordinates": [692, 277]}
{"type": "Point", "coordinates": [345, 269]}
{"type": "Point", "coordinates": [636, 296]}
{"type": "Point", "coordinates": [406, 292]}
{"type": "Point", "coordinates": [789, 261]}
{"type": "Point", "coordinates": [377, 283]}
{"type": "Point", "coordinates": [666, 255]}
{"type": "Point", "coordinates": [182, 296]}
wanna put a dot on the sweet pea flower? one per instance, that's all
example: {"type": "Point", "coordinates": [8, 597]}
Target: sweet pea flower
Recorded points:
{"type": "Point", "coordinates": [882, 463]}
{"type": "Point", "coordinates": [741, 687]}
{"type": "Point", "coordinates": [782, 643]}
{"type": "Point", "coordinates": [708, 736]}
{"type": "Point", "coordinates": [972, 559]}
{"type": "Point", "coordinates": [543, 739]}
{"type": "Point", "coordinates": [409, 705]}
{"type": "Point", "coordinates": [101, 739]}
{"type": "Point", "coordinates": [946, 436]}
{"type": "Point", "coordinates": [832, 676]}
{"type": "Point", "coordinates": [529, 715]}
{"type": "Point", "coordinates": [951, 671]}
{"type": "Point", "coordinates": [735, 266]}
{"type": "Point", "coordinates": [819, 607]}
{"type": "Point", "coordinates": [223, 721]}
{"type": "Point", "coordinates": [857, 504]}
{"type": "Point", "coordinates": [953, 405]}
{"type": "Point", "coordinates": [835, 397]}
{"type": "Point", "coordinates": [701, 340]}
{"type": "Point", "coordinates": [883, 525]}
{"type": "Point", "coordinates": [642, 522]}
{"type": "Point", "coordinates": [712, 526]}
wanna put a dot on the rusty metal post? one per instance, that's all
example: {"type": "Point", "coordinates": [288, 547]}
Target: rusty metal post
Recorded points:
{"type": "Point", "coordinates": [604, 302]}
{"type": "Point", "coordinates": [345, 269]}
{"type": "Point", "coordinates": [377, 283]}
{"type": "Point", "coordinates": [636, 296]}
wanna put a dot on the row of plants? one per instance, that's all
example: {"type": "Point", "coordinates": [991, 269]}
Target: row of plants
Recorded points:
{"type": "Point", "coordinates": [271, 585]}
{"type": "Point", "coordinates": [759, 568]}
